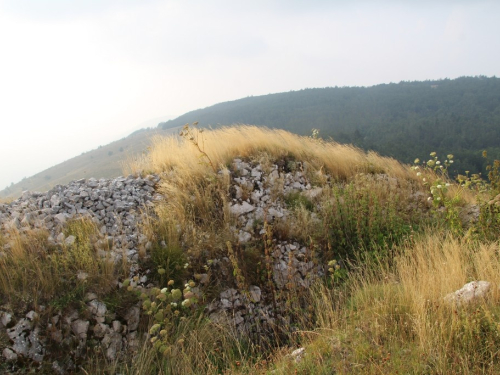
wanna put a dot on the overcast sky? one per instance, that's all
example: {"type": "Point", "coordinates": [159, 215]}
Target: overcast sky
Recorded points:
{"type": "Point", "coordinates": [76, 74]}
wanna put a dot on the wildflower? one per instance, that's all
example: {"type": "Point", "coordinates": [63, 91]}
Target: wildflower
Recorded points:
{"type": "Point", "coordinates": [433, 154]}
{"type": "Point", "coordinates": [417, 160]}
{"type": "Point", "coordinates": [186, 265]}
{"type": "Point", "coordinates": [447, 184]}
{"type": "Point", "coordinates": [164, 291]}
{"type": "Point", "coordinates": [451, 161]}
{"type": "Point", "coordinates": [173, 304]}
{"type": "Point", "coordinates": [424, 179]}
{"type": "Point", "coordinates": [331, 270]}
{"type": "Point", "coordinates": [438, 162]}
{"type": "Point", "coordinates": [170, 282]}
{"type": "Point", "coordinates": [439, 186]}
{"type": "Point", "coordinates": [161, 297]}
{"type": "Point", "coordinates": [186, 303]}
{"type": "Point", "coordinates": [449, 156]}
{"type": "Point", "coordinates": [438, 198]}
{"type": "Point", "coordinates": [192, 284]}
{"type": "Point", "coordinates": [161, 271]}
{"type": "Point", "coordinates": [429, 199]}
{"type": "Point", "coordinates": [419, 174]}
{"type": "Point", "coordinates": [332, 262]}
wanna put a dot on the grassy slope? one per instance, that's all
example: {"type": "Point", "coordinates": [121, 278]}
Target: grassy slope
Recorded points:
{"type": "Point", "coordinates": [387, 318]}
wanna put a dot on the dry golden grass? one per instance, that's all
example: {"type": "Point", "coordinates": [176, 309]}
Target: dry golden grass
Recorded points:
{"type": "Point", "coordinates": [32, 271]}
{"type": "Point", "coordinates": [226, 143]}
{"type": "Point", "coordinates": [400, 309]}
{"type": "Point", "coordinates": [197, 197]}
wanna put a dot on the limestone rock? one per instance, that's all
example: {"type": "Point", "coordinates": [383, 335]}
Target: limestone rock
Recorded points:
{"type": "Point", "coordinates": [470, 292]}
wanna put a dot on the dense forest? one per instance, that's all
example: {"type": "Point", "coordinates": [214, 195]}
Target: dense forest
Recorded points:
{"type": "Point", "coordinates": [404, 120]}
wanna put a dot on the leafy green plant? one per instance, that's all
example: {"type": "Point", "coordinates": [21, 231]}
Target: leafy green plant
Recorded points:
{"type": "Point", "coordinates": [295, 199]}
{"type": "Point", "coordinates": [357, 220]}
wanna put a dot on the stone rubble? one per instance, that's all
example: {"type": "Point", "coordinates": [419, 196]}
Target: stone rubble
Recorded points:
{"type": "Point", "coordinates": [257, 195]}
{"type": "Point", "coordinates": [113, 205]}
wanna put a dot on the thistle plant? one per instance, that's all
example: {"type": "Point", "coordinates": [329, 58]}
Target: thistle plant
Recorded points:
{"type": "Point", "coordinates": [166, 306]}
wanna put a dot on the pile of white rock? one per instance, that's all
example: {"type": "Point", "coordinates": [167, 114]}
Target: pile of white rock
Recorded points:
{"type": "Point", "coordinates": [115, 206]}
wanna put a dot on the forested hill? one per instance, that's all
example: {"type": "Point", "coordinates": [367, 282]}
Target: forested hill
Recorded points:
{"type": "Point", "coordinates": [404, 120]}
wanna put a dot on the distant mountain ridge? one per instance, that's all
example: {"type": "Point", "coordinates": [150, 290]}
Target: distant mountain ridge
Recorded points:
{"type": "Point", "coordinates": [404, 120]}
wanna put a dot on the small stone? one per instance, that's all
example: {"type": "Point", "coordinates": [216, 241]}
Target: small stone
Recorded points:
{"type": "Point", "coordinates": [9, 355]}
{"type": "Point", "coordinates": [6, 319]}
{"type": "Point", "coordinates": [132, 317]}
{"type": "Point", "coordinates": [275, 213]}
{"type": "Point", "coordinates": [244, 237]}
{"type": "Point", "coordinates": [60, 238]}
{"type": "Point", "coordinates": [80, 328]}
{"type": "Point", "coordinates": [90, 296]}
{"type": "Point", "coordinates": [61, 218]}
{"type": "Point", "coordinates": [117, 326]}
{"type": "Point", "coordinates": [298, 354]}
{"type": "Point", "coordinates": [255, 293]}
{"type": "Point", "coordinates": [97, 308]}
{"type": "Point", "coordinates": [70, 240]}
{"type": "Point", "coordinates": [241, 209]}
{"type": "Point", "coordinates": [31, 315]}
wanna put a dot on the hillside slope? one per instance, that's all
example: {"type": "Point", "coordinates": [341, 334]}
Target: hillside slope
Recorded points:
{"type": "Point", "coordinates": [103, 162]}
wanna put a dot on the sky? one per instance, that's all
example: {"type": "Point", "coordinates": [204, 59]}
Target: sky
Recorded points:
{"type": "Point", "coordinates": [82, 73]}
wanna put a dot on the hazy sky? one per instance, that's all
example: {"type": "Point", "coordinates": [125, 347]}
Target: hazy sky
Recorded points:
{"type": "Point", "coordinates": [75, 74]}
